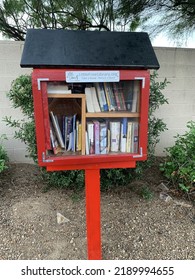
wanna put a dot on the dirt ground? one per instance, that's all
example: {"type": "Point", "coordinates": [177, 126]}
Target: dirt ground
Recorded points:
{"type": "Point", "coordinates": [132, 227]}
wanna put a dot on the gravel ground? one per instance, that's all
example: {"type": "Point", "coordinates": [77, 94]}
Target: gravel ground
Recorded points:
{"type": "Point", "coordinates": [132, 227]}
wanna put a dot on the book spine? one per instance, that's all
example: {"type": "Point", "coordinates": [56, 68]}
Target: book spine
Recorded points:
{"type": "Point", "coordinates": [97, 137]}
{"type": "Point", "coordinates": [129, 137]}
{"type": "Point", "coordinates": [90, 130]}
{"type": "Point", "coordinates": [129, 95]}
{"type": "Point", "coordinates": [57, 129]}
{"type": "Point", "coordinates": [136, 93]}
{"type": "Point", "coordinates": [107, 96]}
{"type": "Point", "coordinates": [103, 138]}
{"type": "Point", "coordinates": [135, 137]}
{"type": "Point", "coordinates": [123, 135]}
{"type": "Point", "coordinates": [116, 94]}
{"type": "Point", "coordinates": [105, 105]}
{"type": "Point", "coordinates": [95, 100]}
{"type": "Point", "coordinates": [86, 143]}
{"type": "Point", "coordinates": [99, 95]}
{"type": "Point", "coordinates": [89, 101]}
{"type": "Point", "coordinates": [115, 136]}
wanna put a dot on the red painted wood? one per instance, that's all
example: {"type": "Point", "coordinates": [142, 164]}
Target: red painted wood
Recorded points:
{"type": "Point", "coordinates": [42, 120]}
{"type": "Point", "coordinates": [92, 185]}
{"type": "Point", "coordinates": [107, 165]}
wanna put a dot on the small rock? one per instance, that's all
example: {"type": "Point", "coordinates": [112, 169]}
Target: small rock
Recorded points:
{"type": "Point", "coordinates": [163, 187]}
{"type": "Point", "coordinates": [165, 197]}
{"type": "Point", "coordinates": [61, 219]}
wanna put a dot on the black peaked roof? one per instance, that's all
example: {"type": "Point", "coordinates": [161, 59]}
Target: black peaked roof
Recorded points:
{"type": "Point", "coordinates": [67, 48]}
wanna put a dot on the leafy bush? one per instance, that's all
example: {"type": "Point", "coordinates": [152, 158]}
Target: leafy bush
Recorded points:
{"type": "Point", "coordinates": [3, 155]}
{"type": "Point", "coordinates": [179, 166]}
{"type": "Point", "coordinates": [21, 97]}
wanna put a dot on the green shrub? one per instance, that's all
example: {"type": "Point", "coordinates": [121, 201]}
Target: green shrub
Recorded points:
{"type": "Point", "coordinates": [21, 97]}
{"type": "Point", "coordinates": [3, 155]}
{"type": "Point", "coordinates": [179, 166]}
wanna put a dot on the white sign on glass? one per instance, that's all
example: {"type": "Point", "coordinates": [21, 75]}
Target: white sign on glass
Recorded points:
{"type": "Point", "coordinates": [92, 76]}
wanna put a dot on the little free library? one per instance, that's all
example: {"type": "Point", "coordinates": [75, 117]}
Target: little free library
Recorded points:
{"type": "Point", "coordinates": [91, 99]}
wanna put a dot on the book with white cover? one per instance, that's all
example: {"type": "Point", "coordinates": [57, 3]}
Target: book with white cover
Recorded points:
{"type": "Point", "coordinates": [89, 100]}
{"type": "Point", "coordinates": [96, 105]}
{"type": "Point", "coordinates": [103, 138]}
{"type": "Point", "coordinates": [58, 89]}
{"type": "Point", "coordinates": [115, 136]}
{"type": "Point", "coordinates": [90, 130]}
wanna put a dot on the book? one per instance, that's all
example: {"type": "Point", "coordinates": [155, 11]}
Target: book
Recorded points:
{"type": "Point", "coordinates": [58, 89]}
{"type": "Point", "coordinates": [136, 93]}
{"type": "Point", "coordinates": [101, 96]}
{"type": "Point", "coordinates": [103, 138]}
{"type": "Point", "coordinates": [86, 143]}
{"type": "Point", "coordinates": [97, 137]}
{"type": "Point", "coordinates": [114, 136]}
{"type": "Point", "coordinates": [54, 143]}
{"type": "Point", "coordinates": [128, 87]}
{"type": "Point", "coordinates": [121, 96]}
{"type": "Point", "coordinates": [78, 136]}
{"type": "Point", "coordinates": [67, 130]}
{"type": "Point", "coordinates": [89, 100]}
{"type": "Point", "coordinates": [129, 137]}
{"type": "Point", "coordinates": [135, 137]}
{"type": "Point", "coordinates": [58, 132]}
{"type": "Point", "coordinates": [73, 146]}
{"type": "Point", "coordinates": [96, 106]}
{"type": "Point", "coordinates": [123, 141]}
{"type": "Point", "coordinates": [116, 94]}
{"type": "Point", "coordinates": [110, 97]}
{"type": "Point", "coordinates": [90, 130]}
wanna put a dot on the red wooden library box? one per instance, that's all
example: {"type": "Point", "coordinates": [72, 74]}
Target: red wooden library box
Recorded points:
{"type": "Point", "coordinates": [91, 98]}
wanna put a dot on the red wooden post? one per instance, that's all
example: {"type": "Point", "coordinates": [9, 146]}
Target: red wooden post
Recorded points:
{"type": "Point", "coordinates": [92, 187]}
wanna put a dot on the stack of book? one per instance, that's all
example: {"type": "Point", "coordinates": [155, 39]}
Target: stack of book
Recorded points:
{"type": "Point", "coordinates": [112, 136]}
{"type": "Point", "coordinates": [122, 96]}
{"type": "Point", "coordinates": [65, 136]}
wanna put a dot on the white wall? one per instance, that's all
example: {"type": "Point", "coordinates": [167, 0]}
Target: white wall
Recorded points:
{"type": "Point", "coordinates": [177, 65]}
{"type": "Point", "coordinates": [10, 55]}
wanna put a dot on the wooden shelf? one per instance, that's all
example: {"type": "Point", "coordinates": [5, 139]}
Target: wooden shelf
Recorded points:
{"type": "Point", "coordinates": [64, 95]}
{"type": "Point", "coordinates": [117, 114]}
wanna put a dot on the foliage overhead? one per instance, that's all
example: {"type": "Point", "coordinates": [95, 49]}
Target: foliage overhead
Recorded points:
{"type": "Point", "coordinates": [173, 17]}
{"type": "Point", "coordinates": [18, 16]}
{"type": "Point", "coordinates": [176, 17]}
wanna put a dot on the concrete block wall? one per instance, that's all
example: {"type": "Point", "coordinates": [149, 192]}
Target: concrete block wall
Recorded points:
{"type": "Point", "coordinates": [10, 55]}
{"type": "Point", "coordinates": [177, 65]}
